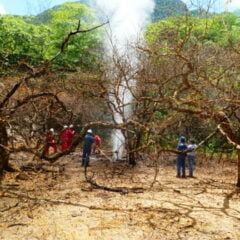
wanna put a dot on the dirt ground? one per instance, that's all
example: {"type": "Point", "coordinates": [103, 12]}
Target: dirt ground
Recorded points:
{"type": "Point", "coordinates": [55, 202]}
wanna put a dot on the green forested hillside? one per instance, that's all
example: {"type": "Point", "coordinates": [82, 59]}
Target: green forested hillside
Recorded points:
{"type": "Point", "coordinates": [46, 16]}
{"type": "Point", "coordinates": [162, 9]}
{"type": "Point", "coordinates": [22, 38]}
{"type": "Point", "coordinates": [167, 8]}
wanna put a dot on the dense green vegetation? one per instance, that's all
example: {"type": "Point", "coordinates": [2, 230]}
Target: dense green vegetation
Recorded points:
{"type": "Point", "coordinates": [38, 38]}
{"type": "Point", "coordinates": [221, 30]}
{"type": "Point", "coordinates": [23, 38]}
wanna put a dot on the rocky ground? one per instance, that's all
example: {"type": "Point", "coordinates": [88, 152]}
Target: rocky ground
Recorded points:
{"type": "Point", "coordinates": [55, 202]}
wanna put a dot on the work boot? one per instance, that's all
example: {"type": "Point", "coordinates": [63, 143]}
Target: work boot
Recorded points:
{"type": "Point", "coordinates": [83, 161]}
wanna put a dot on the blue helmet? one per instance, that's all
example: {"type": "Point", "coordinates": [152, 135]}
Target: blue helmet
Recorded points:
{"type": "Point", "coordinates": [182, 139]}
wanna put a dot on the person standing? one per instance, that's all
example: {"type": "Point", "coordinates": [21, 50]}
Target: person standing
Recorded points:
{"type": "Point", "coordinates": [87, 147]}
{"type": "Point", "coordinates": [191, 156]}
{"type": "Point", "coordinates": [64, 138]}
{"type": "Point", "coordinates": [70, 134]}
{"type": "Point", "coordinates": [50, 142]}
{"type": "Point", "coordinates": [98, 143]}
{"type": "Point", "coordinates": [181, 166]}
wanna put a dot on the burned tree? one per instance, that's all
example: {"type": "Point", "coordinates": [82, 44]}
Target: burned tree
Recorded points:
{"type": "Point", "coordinates": [4, 152]}
{"type": "Point", "coordinates": [37, 107]}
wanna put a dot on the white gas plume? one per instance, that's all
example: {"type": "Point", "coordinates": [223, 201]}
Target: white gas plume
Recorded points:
{"type": "Point", "coordinates": [127, 19]}
{"type": "Point", "coordinates": [2, 10]}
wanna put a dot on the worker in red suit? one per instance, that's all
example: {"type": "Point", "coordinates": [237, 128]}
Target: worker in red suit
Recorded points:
{"type": "Point", "coordinates": [64, 138]}
{"type": "Point", "coordinates": [50, 142]}
{"type": "Point", "coordinates": [70, 134]}
{"type": "Point", "coordinates": [97, 144]}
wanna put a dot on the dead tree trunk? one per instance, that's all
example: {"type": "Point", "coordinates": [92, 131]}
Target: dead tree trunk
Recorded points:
{"type": "Point", "coordinates": [4, 154]}
{"type": "Point", "coordinates": [226, 130]}
{"type": "Point", "coordinates": [238, 173]}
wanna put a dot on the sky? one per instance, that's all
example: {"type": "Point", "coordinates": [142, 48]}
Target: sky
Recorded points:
{"type": "Point", "coordinates": [27, 7]}
{"type": "Point", "coordinates": [32, 7]}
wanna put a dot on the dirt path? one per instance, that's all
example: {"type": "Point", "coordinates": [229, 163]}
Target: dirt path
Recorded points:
{"type": "Point", "coordinates": [61, 205]}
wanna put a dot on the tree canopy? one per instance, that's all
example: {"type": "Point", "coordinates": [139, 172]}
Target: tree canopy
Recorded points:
{"type": "Point", "coordinates": [24, 38]}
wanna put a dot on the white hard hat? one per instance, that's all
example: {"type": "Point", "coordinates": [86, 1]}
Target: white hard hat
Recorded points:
{"type": "Point", "coordinates": [71, 126]}
{"type": "Point", "coordinates": [65, 126]}
{"type": "Point", "coordinates": [89, 131]}
{"type": "Point", "coordinates": [51, 130]}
